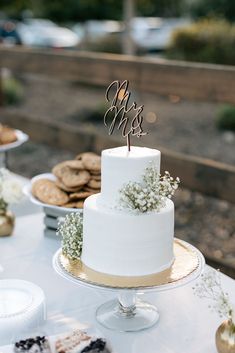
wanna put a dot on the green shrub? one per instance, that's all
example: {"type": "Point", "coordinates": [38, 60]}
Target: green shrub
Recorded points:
{"type": "Point", "coordinates": [12, 91]}
{"type": "Point", "coordinates": [226, 117]}
{"type": "Point", "coordinates": [96, 115]}
{"type": "Point", "coordinates": [204, 41]}
{"type": "Point", "coordinates": [90, 114]}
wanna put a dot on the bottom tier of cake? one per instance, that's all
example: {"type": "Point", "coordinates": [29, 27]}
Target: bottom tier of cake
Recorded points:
{"type": "Point", "coordinates": [126, 244]}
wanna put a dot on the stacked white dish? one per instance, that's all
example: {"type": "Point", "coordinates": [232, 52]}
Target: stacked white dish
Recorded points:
{"type": "Point", "coordinates": [22, 307]}
{"type": "Point", "coordinates": [53, 214]}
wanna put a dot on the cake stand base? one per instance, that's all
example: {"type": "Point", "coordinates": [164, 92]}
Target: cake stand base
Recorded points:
{"type": "Point", "coordinates": [126, 314]}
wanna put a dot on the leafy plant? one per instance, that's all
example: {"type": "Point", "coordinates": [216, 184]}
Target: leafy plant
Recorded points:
{"type": "Point", "coordinates": [71, 230]}
{"type": "Point", "coordinates": [10, 189]}
{"type": "Point", "coordinates": [151, 193]}
{"type": "Point", "coordinates": [226, 117]}
{"type": "Point", "coordinates": [204, 41]}
{"type": "Point", "coordinates": [210, 287]}
{"type": "Point", "coordinates": [90, 114]}
{"type": "Point", "coordinates": [12, 91]}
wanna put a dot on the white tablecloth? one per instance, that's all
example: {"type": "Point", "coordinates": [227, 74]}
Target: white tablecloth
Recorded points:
{"type": "Point", "coordinates": [186, 323]}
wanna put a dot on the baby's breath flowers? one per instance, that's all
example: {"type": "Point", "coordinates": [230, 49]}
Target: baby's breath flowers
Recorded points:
{"type": "Point", "coordinates": [10, 189]}
{"type": "Point", "coordinates": [71, 230]}
{"type": "Point", "coordinates": [151, 193]}
{"type": "Point", "coordinates": [210, 288]}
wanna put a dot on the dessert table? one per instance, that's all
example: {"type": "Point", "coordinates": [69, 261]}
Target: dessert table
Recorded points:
{"type": "Point", "coordinates": [186, 323]}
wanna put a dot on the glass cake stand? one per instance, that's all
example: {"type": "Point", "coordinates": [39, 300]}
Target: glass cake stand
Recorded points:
{"type": "Point", "coordinates": [127, 313]}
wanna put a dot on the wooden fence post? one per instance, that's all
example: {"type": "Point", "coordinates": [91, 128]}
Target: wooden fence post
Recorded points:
{"type": "Point", "coordinates": [128, 45]}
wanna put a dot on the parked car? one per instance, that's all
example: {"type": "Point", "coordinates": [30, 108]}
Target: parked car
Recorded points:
{"type": "Point", "coordinates": [95, 29]}
{"type": "Point", "coordinates": [154, 33]}
{"type": "Point", "coordinates": [79, 29]}
{"type": "Point", "coordinates": [45, 33]}
{"type": "Point", "coordinates": [9, 34]}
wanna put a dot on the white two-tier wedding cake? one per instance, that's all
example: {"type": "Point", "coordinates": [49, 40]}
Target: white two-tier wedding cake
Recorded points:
{"type": "Point", "coordinates": [119, 241]}
{"type": "Point", "coordinates": [128, 228]}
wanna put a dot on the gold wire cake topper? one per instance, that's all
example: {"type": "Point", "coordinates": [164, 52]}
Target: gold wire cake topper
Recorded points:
{"type": "Point", "coordinates": [117, 114]}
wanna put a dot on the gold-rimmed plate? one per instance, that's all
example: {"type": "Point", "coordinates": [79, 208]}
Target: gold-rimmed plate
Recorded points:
{"type": "Point", "coordinates": [187, 265]}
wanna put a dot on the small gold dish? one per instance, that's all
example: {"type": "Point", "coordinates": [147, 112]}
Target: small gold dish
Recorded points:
{"type": "Point", "coordinates": [188, 263]}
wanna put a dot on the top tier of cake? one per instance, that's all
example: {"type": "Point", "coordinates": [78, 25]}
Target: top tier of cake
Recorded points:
{"type": "Point", "coordinates": [119, 166]}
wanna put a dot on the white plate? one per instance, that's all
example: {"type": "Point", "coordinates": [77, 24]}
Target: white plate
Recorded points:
{"type": "Point", "coordinates": [14, 301]}
{"type": "Point", "coordinates": [22, 306]}
{"type": "Point", "coordinates": [21, 138]}
{"type": "Point", "coordinates": [18, 296]}
{"type": "Point", "coordinates": [28, 192]}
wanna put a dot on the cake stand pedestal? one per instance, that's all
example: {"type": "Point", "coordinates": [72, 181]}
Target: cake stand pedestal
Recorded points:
{"type": "Point", "coordinates": [127, 313]}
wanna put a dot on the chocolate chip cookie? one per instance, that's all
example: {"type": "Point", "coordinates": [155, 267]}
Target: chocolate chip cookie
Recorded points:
{"type": "Point", "coordinates": [46, 191]}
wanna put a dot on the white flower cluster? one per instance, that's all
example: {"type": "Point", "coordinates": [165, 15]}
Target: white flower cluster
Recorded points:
{"type": "Point", "coordinates": [10, 189]}
{"type": "Point", "coordinates": [71, 230]}
{"type": "Point", "coordinates": [151, 194]}
{"type": "Point", "coordinates": [210, 288]}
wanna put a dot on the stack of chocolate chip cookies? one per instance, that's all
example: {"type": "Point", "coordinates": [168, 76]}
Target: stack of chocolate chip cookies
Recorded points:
{"type": "Point", "coordinates": [72, 182]}
{"type": "Point", "coordinates": [75, 181]}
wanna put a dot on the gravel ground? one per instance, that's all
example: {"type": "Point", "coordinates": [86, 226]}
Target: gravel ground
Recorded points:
{"type": "Point", "coordinates": [204, 221]}
{"type": "Point", "coordinates": [180, 125]}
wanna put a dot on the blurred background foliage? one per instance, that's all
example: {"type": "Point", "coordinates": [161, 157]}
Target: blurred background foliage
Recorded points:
{"type": "Point", "coordinates": [226, 117]}
{"type": "Point", "coordinates": [81, 10]}
{"type": "Point", "coordinates": [207, 40]}
{"type": "Point", "coordinates": [212, 8]}
{"type": "Point", "coordinates": [12, 90]}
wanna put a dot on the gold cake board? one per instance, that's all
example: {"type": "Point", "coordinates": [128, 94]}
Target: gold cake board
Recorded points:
{"type": "Point", "coordinates": [188, 263]}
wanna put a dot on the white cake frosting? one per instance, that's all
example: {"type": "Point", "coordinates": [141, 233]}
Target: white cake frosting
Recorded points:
{"type": "Point", "coordinates": [120, 242]}
{"type": "Point", "coordinates": [118, 166]}
{"type": "Point", "coordinates": [124, 243]}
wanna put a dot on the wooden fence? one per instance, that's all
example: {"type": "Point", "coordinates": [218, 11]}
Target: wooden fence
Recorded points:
{"type": "Point", "coordinates": [207, 176]}
{"type": "Point", "coordinates": [188, 80]}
